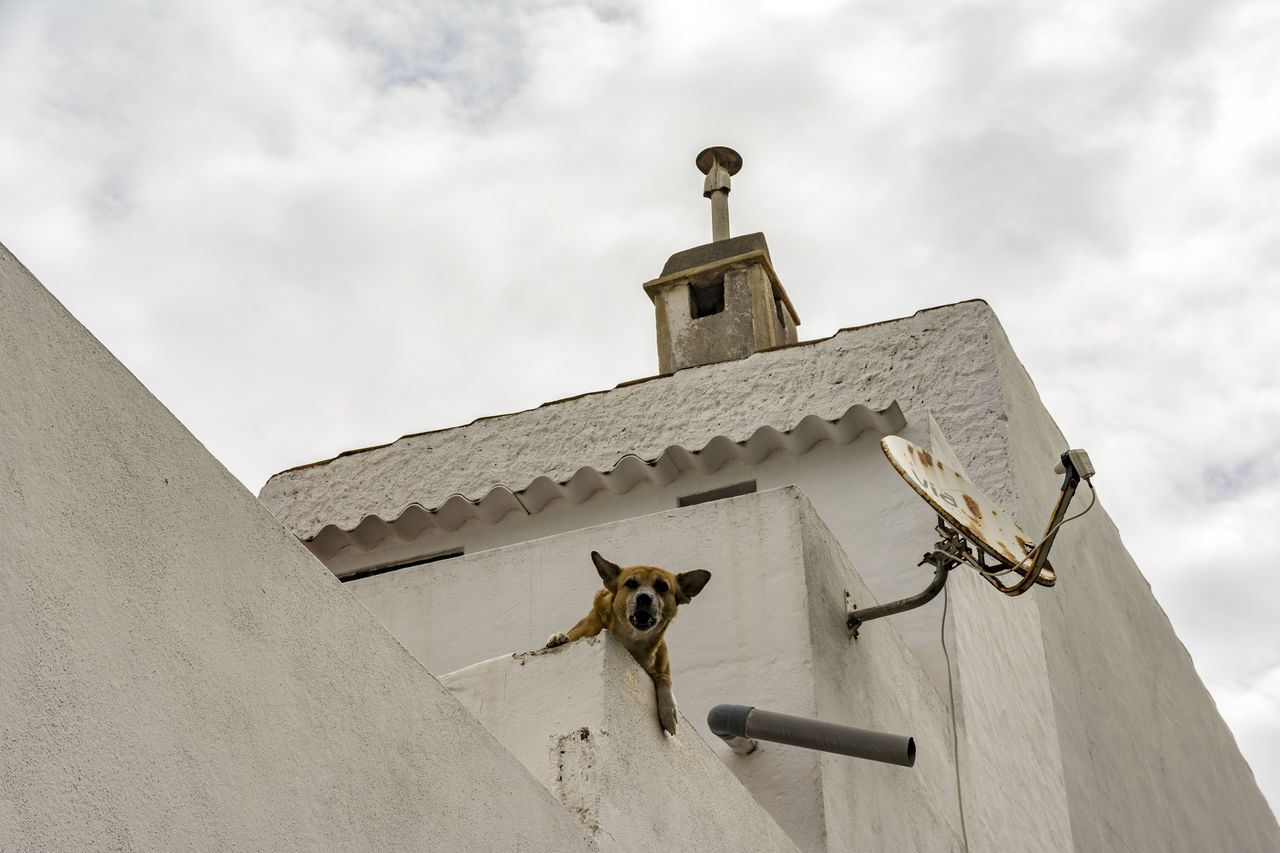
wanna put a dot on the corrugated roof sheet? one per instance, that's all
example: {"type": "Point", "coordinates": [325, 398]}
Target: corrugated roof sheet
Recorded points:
{"type": "Point", "coordinates": [627, 473]}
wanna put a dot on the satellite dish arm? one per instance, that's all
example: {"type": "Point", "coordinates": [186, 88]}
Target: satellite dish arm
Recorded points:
{"type": "Point", "coordinates": [1075, 465]}
{"type": "Point", "coordinates": [945, 557]}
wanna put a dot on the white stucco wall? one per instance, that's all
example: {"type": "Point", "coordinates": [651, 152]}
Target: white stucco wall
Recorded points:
{"type": "Point", "coordinates": [177, 672]}
{"type": "Point", "coordinates": [1149, 762]}
{"type": "Point", "coordinates": [582, 718]}
{"type": "Point", "coordinates": [1044, 701]}
{"type": "Point", "coordinates": [943, 360]}
{"type": "Point", "coordinates": [768, 631]}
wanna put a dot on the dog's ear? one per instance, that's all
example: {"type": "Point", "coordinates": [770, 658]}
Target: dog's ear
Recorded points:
{"type": "Point", "coordinates": [689, 584]}
{"type": "Point", "coordinates": [608, 571]}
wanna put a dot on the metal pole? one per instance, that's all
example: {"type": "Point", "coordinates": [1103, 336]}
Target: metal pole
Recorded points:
{"type": "Point", "coordinates": [719, 212]}
{"type": "Point", "coordinates": [719, 164]}
{"type": "Point", "coordinates": [855, 618]}
{"type": "Point", "coordinates": [944, 557]}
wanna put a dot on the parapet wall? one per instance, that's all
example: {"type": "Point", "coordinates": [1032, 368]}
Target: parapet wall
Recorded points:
{"type": "Point", "coordinates": [583, 720]}
{"type": "Point", "coordinates": [177, 672]}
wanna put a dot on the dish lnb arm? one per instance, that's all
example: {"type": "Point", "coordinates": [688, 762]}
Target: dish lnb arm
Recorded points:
{"type": "Point", "coordinates": [1076, 466]}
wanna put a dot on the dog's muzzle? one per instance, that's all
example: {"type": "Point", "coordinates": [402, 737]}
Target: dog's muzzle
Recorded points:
{"type": "Point", "coordinates": [642, 616]}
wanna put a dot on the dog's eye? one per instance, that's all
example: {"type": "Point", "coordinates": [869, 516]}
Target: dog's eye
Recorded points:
{"type": "Point", "coordinates": [632, 583]}
{"type": "Point", "coordinates": [660, 587]}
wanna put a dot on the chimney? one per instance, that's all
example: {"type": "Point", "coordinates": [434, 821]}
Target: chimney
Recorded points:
{"type": "Point", "coordinates": [722, 300]}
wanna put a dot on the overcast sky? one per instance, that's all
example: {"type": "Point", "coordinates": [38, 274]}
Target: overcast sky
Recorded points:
{"type": "Point", "coordinates": [314, 226]}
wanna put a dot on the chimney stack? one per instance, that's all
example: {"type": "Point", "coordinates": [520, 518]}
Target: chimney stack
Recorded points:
{"type": "Point", "coordinates": [722, 300]}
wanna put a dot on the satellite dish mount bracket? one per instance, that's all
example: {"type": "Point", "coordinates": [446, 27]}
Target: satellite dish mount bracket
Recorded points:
{"type": "Point", "coordinates": [947, 553]}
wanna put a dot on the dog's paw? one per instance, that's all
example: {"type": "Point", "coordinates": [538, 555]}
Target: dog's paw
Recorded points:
{"type": "Point", "coordinates": [557, 640]}
{"type": "Point", "coordinates": [667, 717]}
{"type": "Point", "coordinates": [667, 708]}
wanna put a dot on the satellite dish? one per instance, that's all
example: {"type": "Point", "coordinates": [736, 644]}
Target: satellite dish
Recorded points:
{"type": "Point", "coordinates": [972, 526]}
{"type": "Point", "coordinates": [962, 505]}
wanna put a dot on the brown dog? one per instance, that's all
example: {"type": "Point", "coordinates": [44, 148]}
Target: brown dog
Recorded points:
{"type": "Point", "coordinates": [637, 604]}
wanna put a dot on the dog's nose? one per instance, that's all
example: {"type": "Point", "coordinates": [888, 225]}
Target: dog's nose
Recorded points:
{"type": "Point", "coordinates": [644, 600]}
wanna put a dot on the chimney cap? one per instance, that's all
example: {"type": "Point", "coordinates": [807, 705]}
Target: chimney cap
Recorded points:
{"type": "Point", "coordinates": [727, 157]}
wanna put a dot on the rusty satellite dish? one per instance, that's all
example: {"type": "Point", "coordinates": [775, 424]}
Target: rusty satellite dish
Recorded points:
{"type": "Point", "coordinates": [973, 528]}
{"type": "Point", "coordinates": [963, 505]}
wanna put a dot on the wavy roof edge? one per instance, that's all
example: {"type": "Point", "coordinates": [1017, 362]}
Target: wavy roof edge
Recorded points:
{"type": "Point", "coordinates": [628, 472]}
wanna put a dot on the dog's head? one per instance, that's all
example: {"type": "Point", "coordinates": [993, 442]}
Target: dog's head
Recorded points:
{"type": "Point", "coordinates": [645, 598]}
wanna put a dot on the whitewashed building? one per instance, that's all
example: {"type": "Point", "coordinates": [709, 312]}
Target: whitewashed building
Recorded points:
{"type": "Point", "coordinates": [1068, 718]}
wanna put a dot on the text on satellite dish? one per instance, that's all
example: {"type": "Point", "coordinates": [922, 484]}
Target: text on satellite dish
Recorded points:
{"type": "Point", "coordinates": [963, 505]}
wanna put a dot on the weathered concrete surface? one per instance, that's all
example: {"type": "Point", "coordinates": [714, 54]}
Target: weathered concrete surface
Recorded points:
{"type": "Point", "coordinates": [717, 250]}
{"type": "Point", "coordinates": [873, 365]}
{"type": "Point", "coordinates": [768, 630]}
{"type": "Point", "coordinates": [753, 312]}
{"type": "Point", "coordinates": [583, 720]}
{"type": "Point", "coordinates": [177, 672]}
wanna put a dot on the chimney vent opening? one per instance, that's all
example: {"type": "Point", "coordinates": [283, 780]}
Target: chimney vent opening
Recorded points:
{"type": "Point", "coordinates": [707, 298]}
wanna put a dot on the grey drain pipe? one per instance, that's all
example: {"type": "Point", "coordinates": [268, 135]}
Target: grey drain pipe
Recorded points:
{"type": "Point", "coordinates": [736, 723]}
